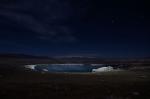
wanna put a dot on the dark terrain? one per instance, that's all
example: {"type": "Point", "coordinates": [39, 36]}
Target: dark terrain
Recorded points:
{"type": "Point", "coordinates": [18, 83]}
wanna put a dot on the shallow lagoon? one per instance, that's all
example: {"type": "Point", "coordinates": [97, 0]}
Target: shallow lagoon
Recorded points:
{"type": "Point", "coordinates": [65, 67]}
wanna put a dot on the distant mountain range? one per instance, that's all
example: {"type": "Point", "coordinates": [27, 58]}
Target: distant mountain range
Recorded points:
{"type": "Point", "coordinates": [69, 57]}
{"type": "Point", "coordinates": [26, 56]}
{"type": "Point", "coordinates": [13, 55]}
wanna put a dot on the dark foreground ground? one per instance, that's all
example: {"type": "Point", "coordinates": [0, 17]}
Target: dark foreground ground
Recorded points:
{"type": "Point", "coordinates": [112, 85]}
{"type": "Point", "coordinates": [15, 83]}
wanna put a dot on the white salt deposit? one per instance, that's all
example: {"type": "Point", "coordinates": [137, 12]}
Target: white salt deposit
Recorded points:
{"type": "Point", "coordinates": [103, 69]}
{"type": "Point", "coordinates": [30, 66]}
{"type": "Point", "coordinates": [45, 70]}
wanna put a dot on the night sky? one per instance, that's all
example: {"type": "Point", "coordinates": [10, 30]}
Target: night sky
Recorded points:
{"type": "Point", "coordinates": [104, 28]}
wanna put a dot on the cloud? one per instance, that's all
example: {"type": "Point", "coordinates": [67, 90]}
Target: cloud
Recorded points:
{"type": "Point", "coordinates": [46, 19]}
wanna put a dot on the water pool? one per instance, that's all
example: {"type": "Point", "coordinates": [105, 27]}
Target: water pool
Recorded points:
{"type": "Point", "coordinates": [68, 67]}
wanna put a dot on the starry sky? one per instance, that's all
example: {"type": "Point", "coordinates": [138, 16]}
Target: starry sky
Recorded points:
{"type": "Point", "coordinates": [103, 28]}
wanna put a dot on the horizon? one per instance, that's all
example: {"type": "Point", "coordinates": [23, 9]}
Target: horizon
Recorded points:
{"type": "Point", "coordinates": [68, 56]}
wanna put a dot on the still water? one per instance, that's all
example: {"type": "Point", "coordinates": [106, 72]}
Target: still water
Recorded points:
{"type": "Point", "coordinates": [65, 67]}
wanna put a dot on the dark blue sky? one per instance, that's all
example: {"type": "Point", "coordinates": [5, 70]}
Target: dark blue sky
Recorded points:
{"type": "Point", "coordinates": [108, 28]}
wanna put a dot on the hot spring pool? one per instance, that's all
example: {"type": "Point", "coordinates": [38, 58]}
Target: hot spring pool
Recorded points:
{"type": "Point", "coordinates": [69, 67]}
